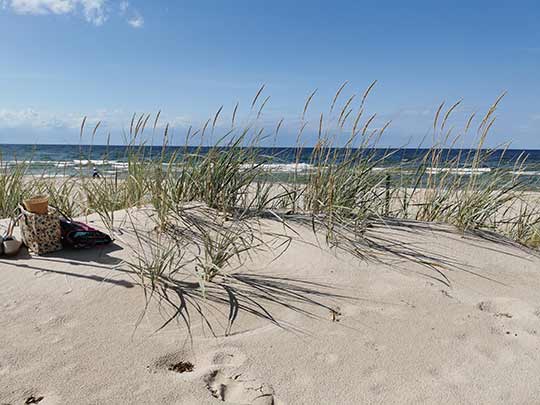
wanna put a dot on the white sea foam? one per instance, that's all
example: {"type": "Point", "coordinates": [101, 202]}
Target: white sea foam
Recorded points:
{"type": "Point", "coordinates": [96, 162]}
{"type": "Point", "coordinates": [458, 170]}
{"type": "Point", "coordinates": [396, 169]}
{"type": "Point", "coordinates": [99, 162]}
{"type": "Point", "coordinates": [526, 173]}
{"type": "Point", "coordinates": [61, 164]}
{"type": "Point", "coordinates": [87, 162]}
{"type": "Point", "coordinates": [282, 167]}
{"type": "Point", "coordinates": [53, 175]}
{"type": "Point", "coordinates": [36, 163]}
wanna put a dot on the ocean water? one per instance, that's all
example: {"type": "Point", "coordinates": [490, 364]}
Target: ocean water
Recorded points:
{"type": "Point", "coordinates": [70, 159]}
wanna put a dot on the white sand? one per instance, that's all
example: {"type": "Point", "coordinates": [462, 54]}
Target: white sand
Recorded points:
{"type": "Point", "coordinates": [68, 334]}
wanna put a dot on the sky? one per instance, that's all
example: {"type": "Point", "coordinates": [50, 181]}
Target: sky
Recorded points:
{"type": "Point", "coordinates": [62, 60]}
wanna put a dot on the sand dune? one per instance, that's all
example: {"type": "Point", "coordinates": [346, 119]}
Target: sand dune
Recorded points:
{"type": "Point", "coordinates": [434, 317]}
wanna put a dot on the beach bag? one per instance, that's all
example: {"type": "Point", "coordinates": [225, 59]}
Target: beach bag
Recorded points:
{"type": "Point", "coordinates": [79, 235]}
{"type": "Point", "coordinates": [41, 232]}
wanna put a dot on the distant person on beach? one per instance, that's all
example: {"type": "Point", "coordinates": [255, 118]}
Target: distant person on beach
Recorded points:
{"type": "Point", "coordinates": [95, 173]}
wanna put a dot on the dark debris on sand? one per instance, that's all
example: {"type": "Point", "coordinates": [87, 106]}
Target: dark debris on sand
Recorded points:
{"type": "Point", "coordinates": [182, 367]}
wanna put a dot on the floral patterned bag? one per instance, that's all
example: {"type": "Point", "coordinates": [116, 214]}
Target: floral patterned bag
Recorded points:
{"type": "Point", "coordinates": [41, 233]}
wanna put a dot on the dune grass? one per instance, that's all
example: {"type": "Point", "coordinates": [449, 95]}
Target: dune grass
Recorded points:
{"type": "Point", "coordinates": [346, 186]}
{"type": "Point", "coordinates": [341, 185]}
{"type": "Point", "coordinates": [13, 188]}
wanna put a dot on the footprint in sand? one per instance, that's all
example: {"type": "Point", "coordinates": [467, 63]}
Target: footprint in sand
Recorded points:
{"type": "Point", "coordinates": [516, 319]}
{"type": "Point", "coordinates": [33, 396]}
{"type": "Point", "coordinates": [58, 321]}
{"type": "Point", "coordinates": [230, 387]}
{"type": "Point", "coordinates": [228, 357]}
{"type": "Point", "coordinates": [177, 362]}
{"type": "Point", "coordinates": [8, 306]}
{"type": "Point", "coordinates": [239, 389]}
{"type": "Point", "coordinates": [485, 306]}
{"type": "Point", "coordinates": [34, 400]}
{"type": "Point", "coordinates": [328, 358]}
{"type": "Point", "coordinates": [191, 367]}
{"type": "Point", "coordinates": [507, 308]}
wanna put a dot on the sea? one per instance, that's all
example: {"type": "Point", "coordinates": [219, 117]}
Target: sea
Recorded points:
{"type": "Point", "coordinates": [68, 160]}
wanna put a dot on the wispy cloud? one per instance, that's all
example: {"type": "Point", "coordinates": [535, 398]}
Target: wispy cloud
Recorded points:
{"type": "Point", "coordinates": [137, 21]}
{"type": "Point", "coordinates": [30, 118]}
{"type": "Point", "coordinates": [113, 119]}
{"type": "Point", "coordinates": [96, 12]}
{"type": "Point", "coordinates": [132, 15]}
{"type": "Point", "coordinates": [40, 7]}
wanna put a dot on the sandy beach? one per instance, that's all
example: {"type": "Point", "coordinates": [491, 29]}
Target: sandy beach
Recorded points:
{"type": "Point", "coordinates": [435, 316]}
{"type": "Point", "coordinates": [269, 203]}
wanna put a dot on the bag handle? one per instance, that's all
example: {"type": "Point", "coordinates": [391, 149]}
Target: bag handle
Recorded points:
{"type": "Point", "coordinates": [24, 215]}
{"type": "Point", "coordinates": [12, 221]}
{"type": "Point", "coordinates": [62, 213]}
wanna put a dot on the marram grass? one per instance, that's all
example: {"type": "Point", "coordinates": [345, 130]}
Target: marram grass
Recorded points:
{"type": "Point", "coordinates": [234, 186]}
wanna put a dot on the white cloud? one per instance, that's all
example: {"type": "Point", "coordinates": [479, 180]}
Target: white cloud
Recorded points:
{"type": "Point", "coordinates": [115, 119]}
{"type": "Point", "coordinates": [31, 118]}
{"type": "Point", "coordinates": [41, 6]}
{"type": "Point", "coordinates": [28, 118]}
{"type": "Point", "coordinates": [124, 5]}
{"type": "Point", "coordinates": [137, 21]}
{"type": "Point", "coordinates": [133, 17]}
{"type": "Point", "coordinates": [96, 12]}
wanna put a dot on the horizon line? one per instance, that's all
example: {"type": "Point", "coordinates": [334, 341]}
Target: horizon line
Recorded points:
{"type": "Point", "coordinates": [262, 147]}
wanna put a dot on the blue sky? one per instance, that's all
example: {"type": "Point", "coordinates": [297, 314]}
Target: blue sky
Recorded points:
{"type": "Point", "coordinates": [63, 59]}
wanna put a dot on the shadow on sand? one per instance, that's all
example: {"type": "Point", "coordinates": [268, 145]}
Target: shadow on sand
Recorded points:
{"type": "Point", "coordinates": [387, 241]}
{"type": "Point", "coordinates": [390, 242]}
{"type": "Point", "coordinates": [83, 259]}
